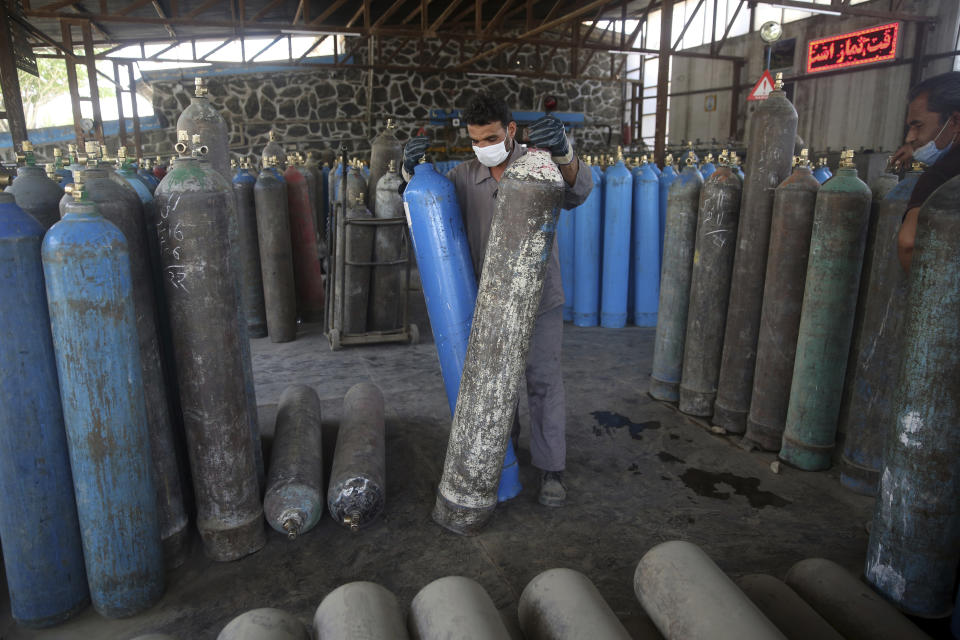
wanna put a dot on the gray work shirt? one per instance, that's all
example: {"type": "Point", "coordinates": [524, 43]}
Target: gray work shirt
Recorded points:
{"type": "Point", "coordinates": [477, 196]}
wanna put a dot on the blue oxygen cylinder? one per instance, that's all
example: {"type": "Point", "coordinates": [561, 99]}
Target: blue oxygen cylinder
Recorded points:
{"type": "Point", "coordinates": [448, 282]}
{"type": "Point", "coordinates": [566, 242]}
{"type": "Point", "coordinates": [588, 231]}
{"type": "Point", "coordinates": [707, 169]}
{"type": "Point", "coordinates": [146, 174]}
{"type": "Point", "coordinates": [90, 296]}
{"type": "Point", "coordinates": [822, 173]}
{"type": "Point", "coordinates": [617, 211]}
{"type": "Point", "coordinates": [42, 552]}
{"type": "Point", "coordinates": [655, 168]}
{"type": "Point", "coordinates": [646, 245]}
{"type": "Point", "coordinates": [667, 176]}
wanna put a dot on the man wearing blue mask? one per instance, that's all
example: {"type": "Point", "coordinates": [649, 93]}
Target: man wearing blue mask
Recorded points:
{"type": "Point", "coordinates": [933, 121]}
{"type": "Point", "coordinates": [493, 133]}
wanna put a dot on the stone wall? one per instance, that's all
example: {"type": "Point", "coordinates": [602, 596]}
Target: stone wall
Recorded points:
{"type": "Point", "coordinates": [316, 108]}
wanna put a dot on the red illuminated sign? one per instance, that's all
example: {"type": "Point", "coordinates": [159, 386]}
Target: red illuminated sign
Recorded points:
{"type": "Point", "coordinates": [850, 49]}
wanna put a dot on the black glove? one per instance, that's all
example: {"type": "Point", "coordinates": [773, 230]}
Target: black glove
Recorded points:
{"type": "Point", "coordinates": [548, 133]}
{"type": "Point", "coordinates": [413, 151]}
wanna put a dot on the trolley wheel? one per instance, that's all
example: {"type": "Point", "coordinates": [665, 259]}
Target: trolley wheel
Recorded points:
{"type": "Point", "coordinates": [334, 338]}
{"type": "Point", "coordinates": [414, 334]}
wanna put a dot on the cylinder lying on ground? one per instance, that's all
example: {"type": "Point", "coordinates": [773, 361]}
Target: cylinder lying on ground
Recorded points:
{"type": "Point", "coordinates": [562, 604]}
{"type": "Point", "coordinates": [588, 231]}
{"type": "Point", "coordinates": [850, 606]}
{"type": "Point", "coordinates": [307, 275]}
{"type": "Point", "coordinates": [688, 597]}
{"type": "Point", "coordinates": [387, 285]}
{"type": "Point", "coordinates": [119, 204]}
{"type": "Point", "coordinates": [915, 540]}
{"type": "Point", "coordinates": [249, 251]}
{"type": "Point", "coordinates": [781, 604]}
{"type": "Point", "coordinates": [45, 588]}
{"type": "Point", "coordinates": [264, 624]}
{"type": "Point", "coordinates": [866, 412]}
{"type": "Point", "coordinates": [507, 301]}
{"type": "Point", "coordinates": [839, 237]}
{"type": "Point", "coordinates": [455, 607]}
{"type": "Point", "coordinates": [678, 248]}
{"type": "Point", "coordinates": [772, 129]}
{"type": "Point", "coordinates": [293, 502]}
{"type": "Point", "coordinates": [203, 297]}
{"type": "Point", "coordinates": [646, 244]}
{"type": "Point", "coordinates": [359, 611]}
{"type": "Point", "coordinates": [357, 491]}
{"type": "Point", "coordinates": [86, 265]}
{"type": "Point", "coordinates": [446, 270]}
{"type": "Point", "coordinates": [617, 212]}
{"type": "Point", "coordinates": [790, 231]}
{"type": "Point", "coordinates": [716, 236]}
{"type": "Point", "coordinates": [276, 255]}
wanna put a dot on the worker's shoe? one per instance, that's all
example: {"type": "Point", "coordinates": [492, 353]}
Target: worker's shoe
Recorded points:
{"type": "Point", "coordinates": [553, 493]}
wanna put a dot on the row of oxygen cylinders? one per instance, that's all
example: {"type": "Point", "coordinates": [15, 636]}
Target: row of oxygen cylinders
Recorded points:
{"type": "Point", "coordinates": [125, 357]}
{"type": "Point", "coordinates": [611, 246]}
{"type": "Point", "coordinates": [785, 316]}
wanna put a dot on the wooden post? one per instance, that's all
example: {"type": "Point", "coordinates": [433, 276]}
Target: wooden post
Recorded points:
{"type": "Point", "coordinates": [10, 83]}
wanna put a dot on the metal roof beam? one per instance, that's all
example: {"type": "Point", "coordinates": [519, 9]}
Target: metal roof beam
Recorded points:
{"type": "Point", "coordinates": [847, 10]}
{"type": "Point", "coordinates": [336, 4]}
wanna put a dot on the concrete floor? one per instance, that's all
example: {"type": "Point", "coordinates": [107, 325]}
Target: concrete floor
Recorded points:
{"type": "Point", "coordinates": [638, 472]}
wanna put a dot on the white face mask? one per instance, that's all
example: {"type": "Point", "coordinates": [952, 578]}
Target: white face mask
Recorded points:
{"type": "Point", "coordinates": [493, 154]}
{"type": "Point", "coordinates": [928, 154]}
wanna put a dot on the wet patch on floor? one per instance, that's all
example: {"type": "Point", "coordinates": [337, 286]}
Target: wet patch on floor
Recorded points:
{"type": "Point", "coordinates": [704, 483]}
{"type": "Point", "coordinates": [609, 422]}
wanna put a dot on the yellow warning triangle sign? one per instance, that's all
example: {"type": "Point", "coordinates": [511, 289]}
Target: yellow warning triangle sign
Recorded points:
{"type": "Point", "coordinates": [763, 87]}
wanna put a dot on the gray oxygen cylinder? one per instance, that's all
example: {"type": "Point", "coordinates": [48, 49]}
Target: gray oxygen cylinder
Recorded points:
{"type": "Point", "coordinates": [387, 286]}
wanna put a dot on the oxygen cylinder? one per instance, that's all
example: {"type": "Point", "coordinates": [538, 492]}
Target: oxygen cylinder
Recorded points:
{"type": "Point", "coordinates": [148, 177]}
{"type": "Point", "coordinates": [264, 624]}
{"type": "Point", "coordinates": [840, 223]}
{"type": "Point", "coordinates": [790, 229]}
{"type": "Point", "coordinates": [65, 176]}
{"type": "Point", "coordinates": [359, 611]}
{"type": "Point", "coordinates": [784, 608]}
{"type": "Point", "coordinates": [455, 607]}
{"type": "Point", "coordinates": [358, 254]}
{"type": "Point", "coordinates": [446, 271]}
{"type": "Point", "coordinates": [688, 596]}
{"type": "Point", "coordinates": [319, 196]}
{"type": "Point", "coordinates": [276, 255]}
{"type": "Point", "coordinates": [128, 174]}
{"type": "Point", "coordinates": [646, 245]}
{"type": "Point", "coordinates": [159, 170]}
{"type": "Point", "coordinates": [666, 178]}
{"type": "Point", "coordinates": [588, 231]}
{"type": "Point", "coordinates": [325, 212]}
{"type": "Point", "coordinates": [868, 407]}
{"type": "Point", "coordinates": [357, 489]}
{"type": "Point", "coordinates": [307, 275]}
{"type": "Point", "coordinates": [715, 243]}
{"type": "Point", "coordinates": [384, 148]}
{"type": "Point", "coordinates": [273, 149]}
{"type": "Point", "coordinates": [251, 276]}
{"type": "Point", "coordinates": [34, 192]}
{"type": "Point", "coordinates": [915, 540]}
{"type": "Point", "coordinates": [617, 211]}
{"type": "Point", "coordinates": [296, 160]}
{"type": "Point", "coordinates": [209, 333]}
{"type": "Point", "coordinates": [772, 129]}
{"type": "Point", "coordinates": [203, 119]}
{"type": "Point", "coordinates": [356, 183]}
{"type": "Point", "coordinates": [333, 187]}
{"type": "Point", "coordinates": [707, 169]}
{"type": "Point", "coordinates": [119, 205]}
{"type": "Point", "coordinates": [45, 588]}
{"type": "Point", "coordinates": [521, 238]}
{"type": "Point", "coordinates": [822, 173]}
{"type": "Point", "coordinates": [678, 250]}
{"type": "Point", "coordinates": [562, 604]}
{"type": "Point", "coordinates": [566, 242]}
{"type": "Point", "coordinates": [388, 283]}
{"type": "Point", "coordinates": [293, 503]}
{"type": "Point", "coordinates": [90, 295]}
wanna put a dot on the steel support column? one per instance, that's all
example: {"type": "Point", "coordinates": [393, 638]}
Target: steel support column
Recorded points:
{"type": "Point", "coordinates": [663, 80]}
